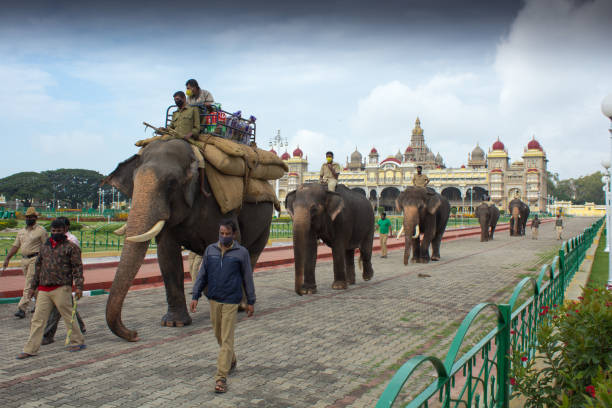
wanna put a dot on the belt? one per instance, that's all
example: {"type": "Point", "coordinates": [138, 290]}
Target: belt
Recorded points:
{"type": "Point", "coordinates": [31, 255]}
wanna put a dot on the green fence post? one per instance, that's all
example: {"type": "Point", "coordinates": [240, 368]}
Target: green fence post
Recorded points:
{"type": "Point", "coordinates": [106, 240]}
{"type": "Point", "coordinates": [94, 240]}
{"type": "Point", "coordinates": [503, 348]}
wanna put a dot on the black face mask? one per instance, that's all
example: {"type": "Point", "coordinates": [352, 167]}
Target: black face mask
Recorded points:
{"type": "Point", "coordinates": [30, 222]}
{"type": "Point", "coordinates": [179, 103]}
{"type": "Point", "coordinates": [58, 237]}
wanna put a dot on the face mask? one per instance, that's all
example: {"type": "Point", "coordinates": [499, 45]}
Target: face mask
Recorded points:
{"type": "Point", "coordinates": [226, 241]}
{"type": "Point", "coordinates": [179, 103]}
{"type": "Point", "coordinates": [30, 222]}
{"type": "Point", "coordinates": [58, 237]}
{"type": "Point", "coordinates": [329, 159]}
{"type": "Point", "coordinates": [188, 92]}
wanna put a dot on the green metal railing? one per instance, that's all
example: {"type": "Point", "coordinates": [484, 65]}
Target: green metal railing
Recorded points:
{"type": "Point", "coordinates": [479, 378]}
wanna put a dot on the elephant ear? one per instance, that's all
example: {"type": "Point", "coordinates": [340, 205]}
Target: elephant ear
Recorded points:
{"type": "Point", "coordinates": [192, 185]}
{"type": "Point", "coordinates": [122, 177]}
{"type": "Point", "coordinates": [433, 203]}
{"type": "Point", "coordinates": [289, 202]}
{"type": "Point", "coordinates": [333, 204]}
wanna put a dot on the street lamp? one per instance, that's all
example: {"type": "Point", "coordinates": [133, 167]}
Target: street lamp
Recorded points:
{"type": "Point", "coordinates": [606, 188]}
{"type": "Point", "coordinates": [606, 109]}
{"type": "Point", "coordinates": [278, 142]}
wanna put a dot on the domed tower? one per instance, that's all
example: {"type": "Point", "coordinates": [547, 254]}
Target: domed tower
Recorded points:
{"type": "Point", "coordinates": [476, 159]}
{"type": "Point", "coordinates": [534, 159]}
{"type": "Point", "coordinates": [497, 162]}
{"type": "Point", "coordinates": [409, 154]}
{"type": "Point", "coordinates": [498, 156]}
{"type": "Point", "coordinates": [356, 162]}
{"type": "Point", "coordinates": [298, 166]}
{"type": "Point", "coordinates": [399, 156]}
{"type": "Point", "coordinates": [439, 161]}
{"type": "Point", "coordinates": [373, 157]}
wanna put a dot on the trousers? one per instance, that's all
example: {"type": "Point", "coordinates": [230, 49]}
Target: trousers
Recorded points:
{"type": "Point", "coordinates": [383, 244]}
{"type": "Point", "coordinates": [28, 265]}
{"type": "Point", "coordinates": [223, 318]}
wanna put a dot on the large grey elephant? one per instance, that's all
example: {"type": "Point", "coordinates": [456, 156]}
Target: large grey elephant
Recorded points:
{"type": "Point", "coordinates": [343, 220]}
{"type": "Point", "coordinates": [487, 215]}
{"type": "Point", "coordinates": [519, 213]}
{"type": "Point", "coordinates": [425, 212]}
{"type": "Point", "coordinates": [167, 206]}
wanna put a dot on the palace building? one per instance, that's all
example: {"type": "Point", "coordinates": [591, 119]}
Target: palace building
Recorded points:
{"type": "Point", "coordinates": [488, 175]}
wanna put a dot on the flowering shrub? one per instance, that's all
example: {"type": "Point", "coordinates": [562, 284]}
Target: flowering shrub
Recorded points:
{"type": "Point", "coordinates": [574, 355]}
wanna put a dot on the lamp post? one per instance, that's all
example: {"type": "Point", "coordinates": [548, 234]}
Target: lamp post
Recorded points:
{"type": "Point", "coordinates": [606, 188]}
{"type": "Point", "coordinates": [606, 109]}
{"type": "Point", "coordinates": [277, 143]}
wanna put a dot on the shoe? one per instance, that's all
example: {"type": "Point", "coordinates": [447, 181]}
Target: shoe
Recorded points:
{"type": "Point", "coordinates": [47, 340]}
{"type": "Point", "coordinates": [22, 356]}
{"type": "Point", "coordinates": [20, 314]}
{"type": "Point", "coordinates": [77, 347]}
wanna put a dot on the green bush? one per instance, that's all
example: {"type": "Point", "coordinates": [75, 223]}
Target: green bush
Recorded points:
{"type": "Point", "coordinates": [10, 223]}
{"type": "Point", "coordinates": [75, 226]}
{"type": "Point", "coordinates": [574, 346]}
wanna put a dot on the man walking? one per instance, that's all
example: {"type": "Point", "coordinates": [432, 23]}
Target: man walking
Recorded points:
{"type": "Point", "coordinates": [559, 226]}
{"type": "Point", "coordinates": [535, 225]}
{"type": "Point", "coordinates": [385, 230]}
{"type": "Point", "coordinates": [226, 270]}
{"type": "Point", "coordinates": [330, 171]}
{"type": "Point", "coordinates": [57, 266]}
{"type": "Point", "coordinates": [419, 179]}
{"type": "Point", "coordinates": [29, 240]}
{"type": "Point", "coordinates": [54, 316]}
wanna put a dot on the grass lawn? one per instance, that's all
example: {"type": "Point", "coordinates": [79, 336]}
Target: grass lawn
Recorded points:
{"type": "Point", "coordinates": [599, 272]}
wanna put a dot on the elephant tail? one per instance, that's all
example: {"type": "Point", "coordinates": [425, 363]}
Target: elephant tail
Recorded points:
{"type": "Point", "coordinates": [360, 262]}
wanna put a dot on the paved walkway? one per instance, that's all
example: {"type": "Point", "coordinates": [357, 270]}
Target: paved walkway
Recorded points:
{"type": "Point", "coordinates": [333, 349]}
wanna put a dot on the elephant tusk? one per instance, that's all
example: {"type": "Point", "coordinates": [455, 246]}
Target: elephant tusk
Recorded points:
{"type": "Point", "coordinates": [417, 232]}
{"type": "Point", "coordinates": [150, 234]}
{"type": "Point", "coordinates": [121, 230]}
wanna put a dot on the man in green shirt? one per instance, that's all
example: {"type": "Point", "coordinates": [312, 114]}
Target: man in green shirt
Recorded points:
{"type": "Point", "coordinates": [186, 122]}
{"type": "Point", "coordinates": [386, 230]}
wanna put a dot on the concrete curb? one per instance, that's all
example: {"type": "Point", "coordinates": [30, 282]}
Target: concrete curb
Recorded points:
{"type": "Point", "coordinates": [581, 277]}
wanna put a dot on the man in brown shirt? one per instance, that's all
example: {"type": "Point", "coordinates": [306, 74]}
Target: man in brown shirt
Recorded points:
{"type": "Point", "coordinates": [29, 240]}
{"type": "Point", "coordinates": [330, 171]}
{"type": "Point", "coordinates": [419, 179]}
{"type": "Point", "coordinates": [57, 266]}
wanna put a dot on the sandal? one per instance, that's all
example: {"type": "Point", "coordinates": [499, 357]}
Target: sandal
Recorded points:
{"type": "Point", "coordinates": [77, 347]}
{"type": "Point", "coordinates": [221, 386]}
{"type": "Point", "coordinates": [21, 356]}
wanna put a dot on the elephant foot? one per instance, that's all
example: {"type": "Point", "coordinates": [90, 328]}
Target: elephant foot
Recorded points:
{"type": "Point", "coordinates": [415, 260]}
{"type": "Point", "coordinates": [308, 291]}
{"type": "Point", "coordinates": [351, 281]}
{"type": "Point", "coordinates": [175, 320]}
{"type": "Point", "coordinates": [435, 258]}
{"type": "Point", "coordinates": [367, 275]}
{"type": "Point", "coordinates": [338, 285]}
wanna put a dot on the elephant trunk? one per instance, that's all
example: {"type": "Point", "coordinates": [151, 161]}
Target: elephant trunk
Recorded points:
{"type": "Point", "coordinates": [411, 229]}
{"type": "Point", "coordinates": [148, 209]}
{"type": "Point", "coordinates": [301, 245]}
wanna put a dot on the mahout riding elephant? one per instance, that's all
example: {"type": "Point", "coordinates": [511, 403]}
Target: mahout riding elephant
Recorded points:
{"type": "Point", "coordinates": [425, 212]}
{"type": "Point", "coordinates": [167, 205]}
{"type": "Point", "coordinates": [519, 213]}
{"type": "Point", "coordinates": [343, 220]}
{"type": "Point", "coordinates": [487, 215]}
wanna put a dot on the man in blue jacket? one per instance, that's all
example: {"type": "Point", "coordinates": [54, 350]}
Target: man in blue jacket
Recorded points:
{"type": "Point", "coordinates": [226, 271]}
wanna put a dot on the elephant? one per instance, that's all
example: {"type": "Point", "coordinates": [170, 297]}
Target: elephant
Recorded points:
{"type": "Point", "coordinates": [343, 220]}
{"type": "Point", "coordinates": [163, 183]}
{"type": "Point", "coordinates": [487, 215]}
{"type": "Point", "coordinates": [519, 213]}
{"type": "Point", "coordinates": [425, 212]}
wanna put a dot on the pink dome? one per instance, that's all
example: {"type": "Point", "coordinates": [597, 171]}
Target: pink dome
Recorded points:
{"type": "Point", "coordinates": [285, 156]}
{"type": "Point", "coordinates": [498, 145]}
{"type": "Point", "coordinates": [373, 151]}
{"type": "Point", "coordinates": [408, 149]}
{"type": "Point", "coordinates": [273, 151]}
{"type": "Point", "coordinates": [298, 152]}
{"type": "Point", "coordinates": [534, 144]}
{"type": "Point", "coordinates": [463, 166]}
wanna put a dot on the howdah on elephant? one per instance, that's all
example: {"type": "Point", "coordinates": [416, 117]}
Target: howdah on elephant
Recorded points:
{"type": "Point", "coordinates": [167, 206]}
{"type": "Point", "coordinates": [343, 220]}
{"type": "Point", "coordinates": [487, 215]}
{"type": "Point", "coordinates": [519, 213]}
{"type": "Point", "coordinates": [425, 212]}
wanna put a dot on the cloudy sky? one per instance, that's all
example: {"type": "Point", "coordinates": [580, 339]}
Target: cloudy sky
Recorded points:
{"type": "Point", "coordinates": [78, 80]}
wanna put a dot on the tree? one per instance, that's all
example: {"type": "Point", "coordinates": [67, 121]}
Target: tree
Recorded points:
{"type": "Point", "coordinates": [583, 189]}
{"type": "Point", "coordinates": [26, 186]}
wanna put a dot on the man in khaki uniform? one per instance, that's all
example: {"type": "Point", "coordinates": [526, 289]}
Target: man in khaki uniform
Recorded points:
{"type": "Point", "coordinates": [186, 122]}
{"type": "Point", "coordinates": [330, 171]}
{"type": "Point", "coordinates": [195, 261]}
{"type": "Point", "coordinates": [419, 179]}
{"type": "Point", "coordinates": [29, 240]}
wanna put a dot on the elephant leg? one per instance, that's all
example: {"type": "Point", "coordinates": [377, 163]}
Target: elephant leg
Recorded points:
{"type": "Point", "coordinates": [435, 247]}
{"type": "Point", "coordinates": [339, 268]}
{"type": "Point", "coordinates": [365, 254]}
{"type": "Point", "coordinates": [309, 287]}
{"type": "Point", "coordinates": [349, 261]}
{"type": "Point", "coordinates": [416, 250]}
{"type": "Point", "coordinates": [492, 231]}
{"type": "Point", "coordinates": [425, 248]}
{"type": "Point", "coordinates": [171, 265]}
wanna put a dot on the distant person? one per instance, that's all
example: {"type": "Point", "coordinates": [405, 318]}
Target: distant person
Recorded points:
{"type": "Point", "coordinates": [385, 230]}
{"type": "Point", "coordinates": [226, 270]}
{"type": "Point", "coordinates": [54, 316]}
{"type": "Point", "coordinates": [330, 171]}
{"type": "Point", "coordinates": [535, 226]}
{"type": "Point", "coordinates": [29, 239]}
{"type": "Point", "coordinates": [195, 261]}
{"type": "Point", "coordinates": [186, 122]}
{"type": "Point", "coordinates": [559, 226]}
{"type": "Point", "coordinates": [197, 96]}
{"type": "Point", "coordinates": [419, 179]}
{"type": "Point", "coordinates": [58, 266]}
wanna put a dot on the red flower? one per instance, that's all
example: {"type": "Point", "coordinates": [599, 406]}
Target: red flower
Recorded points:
{"type": "Point", "coordinates": [594, 290]}
{"type": "Point", "coordinates": [513, 381]}
{"type": "Point", "coordinates": [555, 317]}
{"type": "Point", "coordinates": [589, 389]}
{"type": "Point", "coordinates": [523, 358]}
{"type": "Point", "coordinates": [580, 297]}
{"type": "Point", "coordinates": [555, 305]}
{"type": "Point", "coordinates": [513, 332]}
{"type": "Point", "coordinates": [576, 311]}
